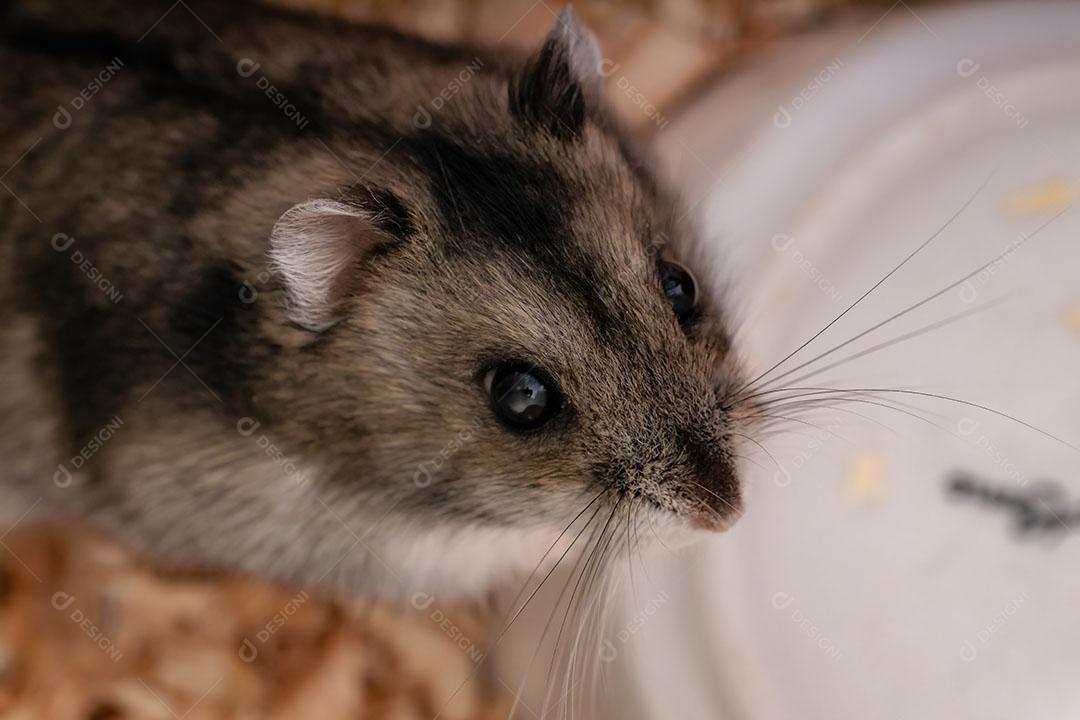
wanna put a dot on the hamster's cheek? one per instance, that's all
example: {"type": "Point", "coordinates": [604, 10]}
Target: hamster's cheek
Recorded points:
{"type": "Point", "coordinates": [453, 562]}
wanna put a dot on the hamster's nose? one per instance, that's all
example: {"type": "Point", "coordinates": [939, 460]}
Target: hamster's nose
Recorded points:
{"type": "Point", "coordinates": [714, 483]}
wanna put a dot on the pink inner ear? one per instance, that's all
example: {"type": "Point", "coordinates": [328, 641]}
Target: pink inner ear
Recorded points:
{"type": "Point", "coordinates": [315, 247]}
{"type": "Point", "coordinates": [580, 50]}
{"type": "Point", "coordinates": [562, 81]}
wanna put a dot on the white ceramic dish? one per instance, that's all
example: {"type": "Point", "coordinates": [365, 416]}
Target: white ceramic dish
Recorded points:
{"type": "Point", "coordinates": [859, 585]}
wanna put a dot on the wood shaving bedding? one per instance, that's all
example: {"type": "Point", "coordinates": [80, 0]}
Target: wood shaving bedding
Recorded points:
{"type": "Point", "coordinates": [87, 632]}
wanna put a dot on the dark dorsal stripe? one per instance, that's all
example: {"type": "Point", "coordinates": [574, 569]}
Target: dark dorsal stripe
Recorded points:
{"type": "Point", "coordinates": [498, 202]}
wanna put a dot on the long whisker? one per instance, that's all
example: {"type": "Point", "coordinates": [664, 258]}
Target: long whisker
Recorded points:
{"type": "Point", "coordinates": [540, 564]}
{"type": "Point", "coordinates": [652, 529]}
{"type": "Point", "coordinates": [875, 286]}
{"type": "Point", "coordinates": [570, 606]}
{"type": "Point", "coordinates": [763, 448]}
{"type": "Point", "coordinates": [901, 410]}
{"type": "Point", "coordinates": [846, 411]}
{"type": "Point", "coordinates": [597, 593]}
{"type": "Point", "coordinates": [952, 319]}
{"type": "Point", "coordinates": [808, 424]}
{"type": "Point", "coordinates": [637, 541]}
{"type": "Point", "coordinates": [1012, 248]}
{"type": "Point", "coordinates": [708, 509]}
{"type": "Point", "coordinates": [502, 633]}
{"type": "Point", "coordinates": [939, 396]}
{"type": "Point", "coordinates": [588, 569]}
{"type": "Point", "coordinates": [800, 398]}
{"type": "Point", "coordinates": [551, 616]}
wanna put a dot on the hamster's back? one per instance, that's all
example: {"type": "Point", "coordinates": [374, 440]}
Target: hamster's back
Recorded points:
{"type": "Point", "coordinates": [145, 147]}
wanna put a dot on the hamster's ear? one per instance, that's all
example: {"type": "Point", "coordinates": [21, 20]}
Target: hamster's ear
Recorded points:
{"type": "Point", "coordinates": [562, 81]}
{"type": "Point", "coordinates": [316, 248]}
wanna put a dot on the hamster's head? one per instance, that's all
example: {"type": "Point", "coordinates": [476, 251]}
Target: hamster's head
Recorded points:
{"type": "Point", "coordinates": [510, 327]}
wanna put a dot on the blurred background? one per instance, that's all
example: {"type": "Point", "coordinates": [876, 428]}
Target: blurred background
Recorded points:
{"type": "Point", "coordinates": [910, 549]}
{"type": "Point", "coordinates": [666, 51]}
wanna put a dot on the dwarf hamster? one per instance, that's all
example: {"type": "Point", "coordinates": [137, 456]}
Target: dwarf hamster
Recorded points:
{"type": "Point", "coordinates": [327, 303]}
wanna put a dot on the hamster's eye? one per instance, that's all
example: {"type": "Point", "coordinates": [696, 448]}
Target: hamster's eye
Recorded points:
{"type": "Point", "coordinates": [680, 289]}
{"type": "Point", "coordinates": [522, 397]}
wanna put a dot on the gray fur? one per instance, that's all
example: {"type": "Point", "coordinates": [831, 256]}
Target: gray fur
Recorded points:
{"type": "Point", "coordinates": [341, 436]}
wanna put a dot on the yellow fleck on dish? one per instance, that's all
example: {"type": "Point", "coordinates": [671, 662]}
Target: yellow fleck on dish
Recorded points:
{"type": "Point", "coordinates": [1074, 319]}
{"type": "Point", "coordinates": [1047, 198]}
{"type": "Point", "coordinates": [866, 478]}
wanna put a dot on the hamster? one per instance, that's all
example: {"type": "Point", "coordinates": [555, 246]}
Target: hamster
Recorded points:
{"type": "Point", "coordinates": [338, 306]}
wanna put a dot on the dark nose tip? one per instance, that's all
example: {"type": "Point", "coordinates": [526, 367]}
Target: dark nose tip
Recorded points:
{"type": "Point", "coordinates": [715, 485]}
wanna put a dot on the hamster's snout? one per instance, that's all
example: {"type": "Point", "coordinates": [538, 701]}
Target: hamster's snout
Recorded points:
{"type": "Point", "coordinates": [714, 484]}
{"type": "Point", "coordinates": [693, 480]}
